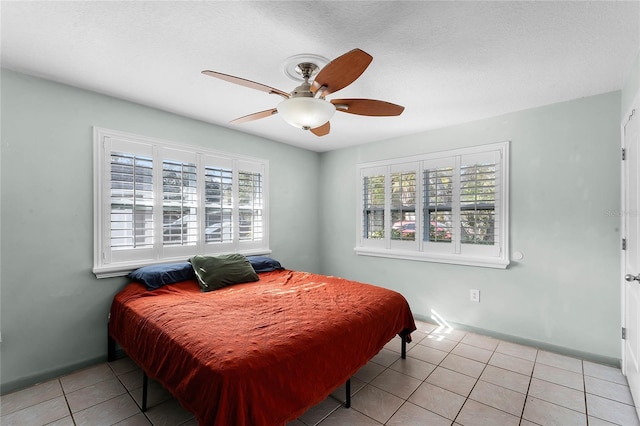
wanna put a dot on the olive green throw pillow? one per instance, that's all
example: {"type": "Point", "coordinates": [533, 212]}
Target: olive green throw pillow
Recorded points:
{"type": "Point", "coordinates": [214, 272]}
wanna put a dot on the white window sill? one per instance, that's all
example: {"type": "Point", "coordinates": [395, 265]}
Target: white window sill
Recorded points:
{"type": "Point", "coordinates": [485, 262]}
{"type": "Point", "coordinates": [121, 269]}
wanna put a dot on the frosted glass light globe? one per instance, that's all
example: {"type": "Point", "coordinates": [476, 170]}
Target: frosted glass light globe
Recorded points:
{"type": "Point", "coordinates": [306, 112]}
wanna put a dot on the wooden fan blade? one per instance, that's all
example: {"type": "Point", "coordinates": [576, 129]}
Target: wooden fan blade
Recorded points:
{"type": "Point", "coordinates": [246, 83]}
{"type": "Point", "coordinates": [322, 130]}
{"type": "Point", "coordinates": [255, 116]}
{"type": "Point", "coordinates": [370, 107]}
{"type": "Point", "coordinates": [341, 72]}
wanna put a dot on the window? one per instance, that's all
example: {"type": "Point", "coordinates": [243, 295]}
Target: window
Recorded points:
{"type": "Point", "coordinates": [449, 207]}
{"type": "Point", "coordinates": [157, 201]}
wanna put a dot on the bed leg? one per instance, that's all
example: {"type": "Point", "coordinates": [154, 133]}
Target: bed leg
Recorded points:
{"type": "Point", "coordinates": [403, 347]}
{"type": "Point", "coordinates": [347, 386]}
{"type": "Point", "coordinates": [145, 385]}
{"type": "Point", "coordinates": [111, 348]}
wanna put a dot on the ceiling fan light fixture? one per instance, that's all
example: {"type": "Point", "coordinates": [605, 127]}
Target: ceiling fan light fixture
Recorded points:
{"type": "Point", "coordinates": [306, 112]}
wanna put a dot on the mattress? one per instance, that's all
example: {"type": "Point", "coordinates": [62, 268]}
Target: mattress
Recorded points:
{"type": "Point", "coordinates": [258, 353]}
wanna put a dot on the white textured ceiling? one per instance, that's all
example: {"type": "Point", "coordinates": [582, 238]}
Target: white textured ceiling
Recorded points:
{"type": "Point", "coordinates": [446, 62]}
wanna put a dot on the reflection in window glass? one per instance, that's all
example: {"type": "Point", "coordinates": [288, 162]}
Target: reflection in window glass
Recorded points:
{"type": "Point", "coordinates": [438, 184]}
{"type": "Point", "coordinates": [477, 204]}
{"type": "Point", "coordinates": [403, 206]}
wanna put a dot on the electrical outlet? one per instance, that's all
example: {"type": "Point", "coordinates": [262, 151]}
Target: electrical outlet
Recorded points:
{"type": "Point", "coordinates": [474, 295]}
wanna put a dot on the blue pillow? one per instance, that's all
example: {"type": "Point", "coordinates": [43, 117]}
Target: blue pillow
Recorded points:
{"type": "Point", "coordinates": [155, 276]}
{"type": "Point", "coordinates": [264, 263]}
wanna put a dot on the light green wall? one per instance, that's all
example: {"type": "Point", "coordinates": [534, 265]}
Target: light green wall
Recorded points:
{"type": "Point", "coordinates": [632, 87]}
{"type": "Point", "coordinates": [53, 309]}
{"type": "Point", "coordinates": [564, 198]}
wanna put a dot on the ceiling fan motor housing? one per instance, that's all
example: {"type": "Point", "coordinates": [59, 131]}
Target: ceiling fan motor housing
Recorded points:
{"type": "Point", "coordinates": [302, 91]}
{"type": "Point", "coordinates": [307, 69]}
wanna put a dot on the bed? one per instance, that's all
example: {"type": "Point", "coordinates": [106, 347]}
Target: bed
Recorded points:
{"type": "Point", "coordinates": [259, 352]}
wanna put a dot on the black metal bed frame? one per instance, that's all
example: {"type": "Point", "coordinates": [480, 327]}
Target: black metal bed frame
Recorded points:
{"type": "Point", "coordinates": [111, 356]}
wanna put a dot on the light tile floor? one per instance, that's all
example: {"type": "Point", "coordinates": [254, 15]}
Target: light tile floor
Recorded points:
{"type": "Point", "coordinates": [449, 377]}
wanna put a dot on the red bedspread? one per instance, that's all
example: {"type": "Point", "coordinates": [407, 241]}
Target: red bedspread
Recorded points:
{"type": "Point", "coordinates": [259, 353]}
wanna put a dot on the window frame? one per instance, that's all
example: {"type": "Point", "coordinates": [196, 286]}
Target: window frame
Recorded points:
{"type": "Point", "coordinates": [491, 255]}
{"type": "Point", "coordinates": [107, 141]}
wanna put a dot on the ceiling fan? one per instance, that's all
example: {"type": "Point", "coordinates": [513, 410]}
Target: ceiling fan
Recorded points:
{"type": "Point", "coordinates": [305, 107]}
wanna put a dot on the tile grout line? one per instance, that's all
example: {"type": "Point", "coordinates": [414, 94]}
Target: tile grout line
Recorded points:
{"type": "Point", "coordinates": [128, 392]}
{"type": "Point", "coordinates": [370, 384]}
{"type": "Point", "coordinates": [584, 387]}
{"type": "Point", "coordinates": [478, 379]}
{"type": "Point", "coordinates": [474, 385]}
{"type": "Point", "coordinates": [438, 365]}
{"type": "Point", "coordinates": [66, 400]}
{"type": "Point", "coordinates": [526, 395]}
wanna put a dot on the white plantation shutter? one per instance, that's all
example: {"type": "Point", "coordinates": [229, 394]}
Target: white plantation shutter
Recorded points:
{"type": "Point", "coordinates": [179, 203]}
{"type": "Point", "coordinates": [250, 206]}
{"type": "Point", "coordinates": [131, 201]}
{"type": "Point", "coordinates": [251, 213]}
{"type": "Point", "coordinates": [157, 201]}
{"type": "Point", "coordinates": [218, 204]}
{"type": "Point", "coordinates": [456, 201]}
{"type": "Point", "coordinates": [402, 187]}
{"type": "Point", "coordinates": [374, 197]}
{"type": "Point", "coordinates": [127, 202]}
{"type": "Point", "coordinates": [480, 209]}
{"type": "Point", "coordinates": [438, 204]}
{"type": "Point", "coordinates": [477, 203]}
